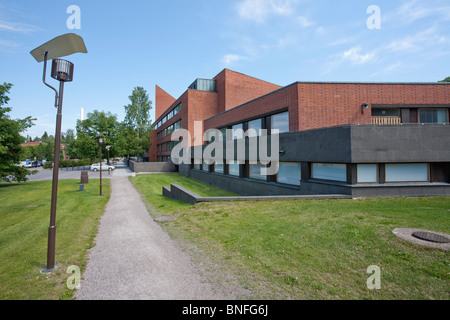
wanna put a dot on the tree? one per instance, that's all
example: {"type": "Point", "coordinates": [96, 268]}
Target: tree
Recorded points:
{"type": "Point", "coordinates": [97, 124]}
{"type": "Point", "coordinates": [129, 144]}
{"type": "Point", "coordinates": [44, 137]}
{"type": "Point", "coordinates": [445, 80]}
{"type": "Point", "coordinates": [10, 140]}
{"type": "Point", "coordinates": [137, 114]}
{"type": "Point", "coordinates": [68, 136]}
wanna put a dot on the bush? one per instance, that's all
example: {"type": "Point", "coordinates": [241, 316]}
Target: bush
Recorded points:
{"type": "Point", "coordinates": [48, 165]}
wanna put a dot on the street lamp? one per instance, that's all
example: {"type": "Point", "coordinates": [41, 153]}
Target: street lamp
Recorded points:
{"type": "Point", "coordinates": [100, 142]}
{"type": "Point", "coordinates": [62, 71]}
{"type": "Point", "coordinates": [107, 148]}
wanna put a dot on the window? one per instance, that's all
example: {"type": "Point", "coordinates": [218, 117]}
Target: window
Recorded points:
{"type": "Point", "coordinates": [218, 166]}
{"type": "Point", "coordinates": [367, 173]}
{"type": "Point", "coordinates": [255, 171]}
{"type": "Point", "coordinates": [406, 172]}
{"type": "Point", "coordinates": [197, 164]}
{"type": "Point", "coordinates": [254, 128]}
{"type": "Point", "coordinates": [205, 166]}
{"type": "Point", "coordinates": [223, 131]}
{"type": "Point", "coordinates": [329, 171]}
{"type": "Point", "coordinates": [177, 109]}
{"type": "Point", "coordinates": [385, 112]}
{"type": "Point", "coordinates": [289, 173]}
{"type": "Point", "coordinates": [238, 132]}
{"type": "Point", "coordinates": [280, 121]}
{"type": "Point", "coordinates": [433, 116]}
{"type": "Point", "coordinates": [233, 168]}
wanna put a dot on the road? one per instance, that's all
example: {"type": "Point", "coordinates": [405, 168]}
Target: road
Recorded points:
{"type": "Point", "coordinates": [68, 174]}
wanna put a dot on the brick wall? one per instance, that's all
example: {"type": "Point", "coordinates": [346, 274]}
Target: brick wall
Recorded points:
{"type": "Point", "coordinates": [285, 98]}
{"type": "Point", "coordinates": [163, 101]}
{"type": "Point", "coordinates": [202, 105]}
{"type": "Point", "coordinates": [330, 104]}
{"type": "Point", "coordinates": [316, 105]}
{"type": "Point", "coordinates": [235, 88]}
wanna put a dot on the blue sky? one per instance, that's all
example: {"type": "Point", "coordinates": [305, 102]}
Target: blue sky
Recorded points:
{"type": "Point", "coordinates": [173, 42]}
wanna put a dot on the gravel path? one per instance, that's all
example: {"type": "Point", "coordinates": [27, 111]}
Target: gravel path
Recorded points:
{"type": "Point", "coordinates": [135, 259]}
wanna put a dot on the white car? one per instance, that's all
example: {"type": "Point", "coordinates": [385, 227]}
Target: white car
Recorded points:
{"type": "Point", "coordinates": [105, 167]}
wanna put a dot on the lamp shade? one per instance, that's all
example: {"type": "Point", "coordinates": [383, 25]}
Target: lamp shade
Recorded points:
{"type": "Point", "coordinates": [61, 46]}
{"type": "Point", "coordinates": [62, 70]}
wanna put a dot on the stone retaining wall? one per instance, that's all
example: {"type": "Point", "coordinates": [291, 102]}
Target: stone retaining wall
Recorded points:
{"type": "Point", "coordinates": [177, 192]}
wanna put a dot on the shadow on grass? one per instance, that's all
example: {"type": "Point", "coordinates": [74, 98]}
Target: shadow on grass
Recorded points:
{"type": "Point", "coordinates": [5, 185]}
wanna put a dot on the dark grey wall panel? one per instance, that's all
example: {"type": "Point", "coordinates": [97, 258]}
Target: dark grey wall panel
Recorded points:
{"type": "Point", "coordinates": [406, 143]}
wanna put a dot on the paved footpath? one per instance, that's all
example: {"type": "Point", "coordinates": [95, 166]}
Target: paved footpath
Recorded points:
{"type": "Point", "coordinates": [135, 259]}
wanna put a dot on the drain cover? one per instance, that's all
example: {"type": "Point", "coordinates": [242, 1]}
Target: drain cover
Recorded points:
{"type": "Point", "coordinates": [163, 218]}
{"type": "Point", "coordinates": [430, 236]}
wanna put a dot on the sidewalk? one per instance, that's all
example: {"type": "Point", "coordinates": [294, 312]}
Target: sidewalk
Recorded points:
{"type": "Point", "coordinates": [135, 259]}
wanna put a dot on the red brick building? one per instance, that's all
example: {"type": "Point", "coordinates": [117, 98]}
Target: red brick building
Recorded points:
{"type": "Point", "coordinates": [205, 98]}
{"type": "Point", "coordinates": [388, 131]}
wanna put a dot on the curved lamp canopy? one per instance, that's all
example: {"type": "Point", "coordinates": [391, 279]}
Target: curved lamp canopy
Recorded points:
{"type": "Point", "coordinates": [61, 46]}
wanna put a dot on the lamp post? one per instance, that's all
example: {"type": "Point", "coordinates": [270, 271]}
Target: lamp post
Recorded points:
{"type": "Point", "coordinates": [62, 70]}
{"type": "Point", "coordinates": [107, 148]}
{"type": "Point", "coordinates": [100, 142]}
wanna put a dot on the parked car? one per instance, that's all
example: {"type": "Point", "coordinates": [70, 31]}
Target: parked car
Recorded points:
{"type": "Point", "coordinates": [105, 167]}
{"type": "Point", "coordinates": [25, 164]}
{"type": "Point", "coordinates": [36, 164]}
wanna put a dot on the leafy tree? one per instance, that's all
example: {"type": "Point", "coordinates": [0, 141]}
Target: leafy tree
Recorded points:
{"type": "Point", "coordinates": [97, 124]}
{"type": "Point", "coordinates": [137, 114]}
{"type": "Point", "coordinates": [445, 80]}
{"type": "Point", "coordinates": [10, 139]}
{"type": "Point", "coordinates": [44, 137]}
{"type": "Point", "coordinates": [83, 147]}
{"type": "Point", "coordinates": [129, 143]}
{"type": "Point", "coordinates": [68, 136]}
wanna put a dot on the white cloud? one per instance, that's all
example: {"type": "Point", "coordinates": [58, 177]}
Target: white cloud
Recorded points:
{"type": "Point", "coordinates": [230, 59]}
{"type": "Point", "coordinates": [387, 70]}
{"type": "Point", "coordinates": [341, 41]}
{"type": "Point", "coordinates": [413, 10]}
{"type": "Point", "coordinates": [8, 44]}
{"type": "Point", "coordinates": [305, 22]}
{"type": "Point", "coordinates": [17, 27]}
{"type": "Point", "coordinates": [355, 56]}
{"type": "Point", "coordinates": [428, 38]}
{"type": "Point", "coordinates": [259, 10]}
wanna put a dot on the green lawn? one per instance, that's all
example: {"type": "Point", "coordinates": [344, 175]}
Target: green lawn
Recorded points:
{"type": "Point", "coordinates": [152, 186]}
{"type": "Point", "coordinates": [24, 222]}
{"type": "Point", "coordinates": [312, 249]}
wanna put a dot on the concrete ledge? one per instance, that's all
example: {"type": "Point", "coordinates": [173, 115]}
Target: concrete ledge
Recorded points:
{"type": "Point", "coordinates": [160, 167]}
{"type": "Point", "coordinates": [177, 192]}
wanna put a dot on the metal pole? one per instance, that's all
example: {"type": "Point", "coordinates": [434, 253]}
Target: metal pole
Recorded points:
{"type": "Point", "coordinates": [52, 229]}
{"type": "Point", "coordinates": [100, 169]}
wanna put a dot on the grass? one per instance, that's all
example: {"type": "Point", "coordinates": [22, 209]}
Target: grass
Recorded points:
{"type": "Point", "coordinates": [312, 249]}
{"type": "Point", "coordinates": [24, 222]}
{"type": "Point", "coordinates": [152, 184]}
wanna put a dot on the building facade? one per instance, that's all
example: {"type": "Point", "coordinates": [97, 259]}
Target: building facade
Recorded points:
{"type": "Point", "coordinates": [361, 139]}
